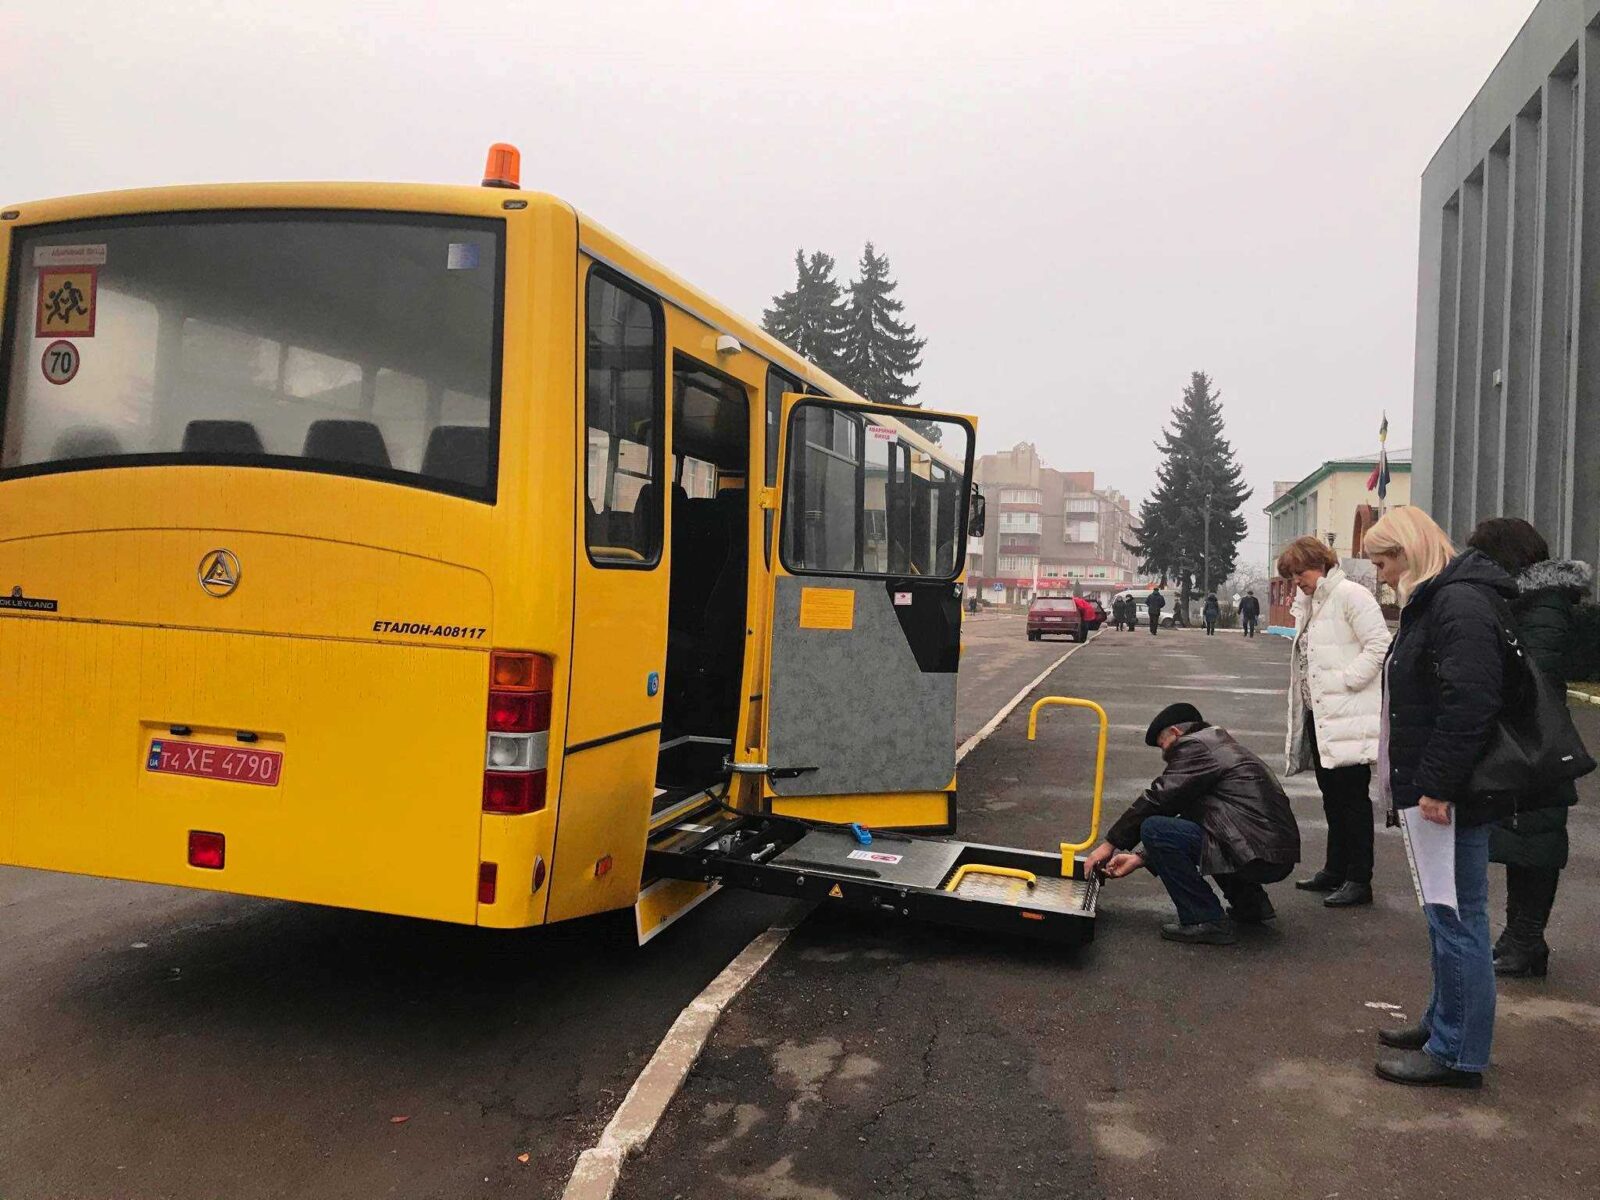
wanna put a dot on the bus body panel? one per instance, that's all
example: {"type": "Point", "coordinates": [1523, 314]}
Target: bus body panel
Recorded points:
{"type": "Point", "coordinates": [365, 814]}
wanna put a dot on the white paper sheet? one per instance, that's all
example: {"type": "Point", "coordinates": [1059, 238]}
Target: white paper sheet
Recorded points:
{"type": "Point", "coordinates": [1431, 850]}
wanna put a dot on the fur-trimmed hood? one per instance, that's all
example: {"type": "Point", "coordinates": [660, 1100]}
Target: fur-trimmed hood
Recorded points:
{"type": "Point", "coordinates": [1556, 574]}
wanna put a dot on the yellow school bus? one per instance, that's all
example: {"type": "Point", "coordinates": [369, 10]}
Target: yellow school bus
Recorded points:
{"type": "Point", "coordinates": [420, 549]}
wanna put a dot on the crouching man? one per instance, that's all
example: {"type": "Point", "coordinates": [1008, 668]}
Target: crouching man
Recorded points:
{"type": "Point", "coordinates": [1216, 810]}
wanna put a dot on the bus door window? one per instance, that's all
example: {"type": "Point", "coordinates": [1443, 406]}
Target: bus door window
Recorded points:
{"type": "Point", "coordinates": [624, 404]}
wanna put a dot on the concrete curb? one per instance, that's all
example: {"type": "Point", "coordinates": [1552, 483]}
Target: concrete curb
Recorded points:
{"type": "Point", "coordinates": [1574, 695]}
{"type": "Point", "coordinates": [595, 1175]}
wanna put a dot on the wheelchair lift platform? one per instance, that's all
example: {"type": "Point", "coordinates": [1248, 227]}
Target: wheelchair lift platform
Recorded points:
{"type": "Point", "coordinates": [1029, 893]}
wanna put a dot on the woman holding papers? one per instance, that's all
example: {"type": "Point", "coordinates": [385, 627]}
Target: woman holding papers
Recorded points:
{"type": "Point", "coordinates": [1443, 691]}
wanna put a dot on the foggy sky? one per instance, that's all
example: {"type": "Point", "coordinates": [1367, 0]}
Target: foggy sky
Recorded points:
{"type": "Point", "coordinates": [1083, 201]}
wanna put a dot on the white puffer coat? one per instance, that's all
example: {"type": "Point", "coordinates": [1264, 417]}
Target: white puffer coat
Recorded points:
{"type": "Point", "coordinates": [1347, 639]}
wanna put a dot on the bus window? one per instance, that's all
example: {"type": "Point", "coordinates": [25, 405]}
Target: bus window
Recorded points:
{"type": "Point", "coordinates": [867, 495]}
{"type": "Point", "coordinates": [255, 339]}
{"type": "Point", "coordinates": [624, 403]}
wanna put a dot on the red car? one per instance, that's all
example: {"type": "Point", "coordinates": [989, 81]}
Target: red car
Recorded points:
{"type": "Point", "coordinates": [1056, 616]}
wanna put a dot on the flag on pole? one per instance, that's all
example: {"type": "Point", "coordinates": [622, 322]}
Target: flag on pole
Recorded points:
{"type": "Point", "coordinates": [1379, 479]}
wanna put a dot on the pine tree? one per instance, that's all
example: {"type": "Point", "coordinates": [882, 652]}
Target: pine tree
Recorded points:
{"type": "Point", "coordinates": [881, 352]}
{"type": "Point", "coordinates": [1197, 471]}
{"type": "Point", "coordinates": [809, 318]}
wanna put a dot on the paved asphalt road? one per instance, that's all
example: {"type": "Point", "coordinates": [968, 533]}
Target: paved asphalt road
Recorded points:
{"type": "Point", "coordinates": [164, 1043]}
{"type": "Point", "coordinates": [878, 1060]}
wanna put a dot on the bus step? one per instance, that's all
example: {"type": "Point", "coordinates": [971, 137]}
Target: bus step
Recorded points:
{"type": "Point", "coordinates": [935, 880]}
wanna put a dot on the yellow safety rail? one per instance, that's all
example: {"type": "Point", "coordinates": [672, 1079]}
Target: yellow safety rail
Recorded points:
{"type": "Point", "coordinates": [1027, 877]}
{"type": "Point", "coordinates": [1069, 849]}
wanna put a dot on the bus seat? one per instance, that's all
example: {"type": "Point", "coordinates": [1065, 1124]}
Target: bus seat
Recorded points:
{"type": "Point", "coordinates": [645, 534]}
{"type": "Point", "coordinates": [221, 437]}
{"type": "Point", "coordinates": [459, 453]}
{"type": "Point", "coordinates": [86, 441]}
{"type": "Point", "coordinates": [358, 442]}
{"type": "Point", "coordinates": [722, 647]}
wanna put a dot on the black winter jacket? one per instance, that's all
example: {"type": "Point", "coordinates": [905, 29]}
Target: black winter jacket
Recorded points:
{"type": "Point", "coordinates": [1250, 608]}
{"type": "Point", "coordinates": [1230, 793]}
{"type": "Point", "coordinates": [1155, 602]}
{"type": "Point", "coordinates": [1542, 610]}
{"type": "Point", "coordinates": [1445, 687]}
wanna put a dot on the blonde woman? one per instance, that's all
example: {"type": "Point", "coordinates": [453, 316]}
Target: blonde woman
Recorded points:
{"type": "Point", "coordinates": [1443, 691]}
{"type": "Point", "coordinates": [1335, 694]}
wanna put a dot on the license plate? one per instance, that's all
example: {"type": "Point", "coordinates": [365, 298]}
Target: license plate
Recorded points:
{"type": "Point", "coordinates": [202, 760]}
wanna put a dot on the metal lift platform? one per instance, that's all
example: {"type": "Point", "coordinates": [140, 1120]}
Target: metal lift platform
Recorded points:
{"type": "Point", "coordinates": [1035, 894]}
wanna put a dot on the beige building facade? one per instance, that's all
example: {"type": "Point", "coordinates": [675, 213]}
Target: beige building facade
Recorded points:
{"type": "Point", "coordinates": [1331, 502]}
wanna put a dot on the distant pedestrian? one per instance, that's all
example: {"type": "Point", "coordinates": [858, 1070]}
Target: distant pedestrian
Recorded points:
{"type": "Point", "coordinates": [1335, 696]}
{"type": "Point", "coordinates": [1215, 810]}
{"type": "Point", "coordinates": [1250, 613]}
{"type": "Point", "coordinates": [1119, 610]}
{"type": "Point", "coordinates": [1533, 843]}
{"type": "Point", "coordinates": [1443, 694]}
{"type": "Point", "coordinates": [1155, 604]}
{"type": "Point", "coordinates": [1211, 611]}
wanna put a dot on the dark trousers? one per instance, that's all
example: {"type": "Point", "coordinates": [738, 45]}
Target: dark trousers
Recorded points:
{"type": "Point", "coordinates": [1249, 627]}
{"type": "Point", "coordinates": [1155, 620]}
{"type": "Point", "coordinates": [1211, 626]}
{"type": "Point", "coordinates": [1530, 895]}
{"type": "Point", "coordinates": [1172, 850]}
{"type": "Point", "coordinates": [1347, 803]}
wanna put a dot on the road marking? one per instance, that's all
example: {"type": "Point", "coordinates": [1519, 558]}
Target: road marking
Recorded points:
{"type": "Point", "coordinates": [596, 1173]}
{"type": "Point", "coordinates": [971, 744]}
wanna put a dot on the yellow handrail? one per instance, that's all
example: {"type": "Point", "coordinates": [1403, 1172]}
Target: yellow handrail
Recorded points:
{"type": "Point", "coordinates": [1068, 849]}
{"type": "Point", "coordinates": [1027, 877]}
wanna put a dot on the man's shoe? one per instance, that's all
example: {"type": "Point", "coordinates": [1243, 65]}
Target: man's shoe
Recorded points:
{"type": "Point", "coordinates": [1255, 914]}
{"type": "Point", "coordinates": [1418, 1069]}
{"type": "Point", "coordinates": [1206, 933]}
{"type": "Point", "coordinates": [1406, 1037]}
{"type": "Point", "coordinates": [1320, 882]}
{"type": "Point", "coordinates": [1349, 895]}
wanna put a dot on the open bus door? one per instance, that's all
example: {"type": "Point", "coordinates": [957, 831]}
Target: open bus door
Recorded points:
{"type": "Point", "coordinates": [865, 614]}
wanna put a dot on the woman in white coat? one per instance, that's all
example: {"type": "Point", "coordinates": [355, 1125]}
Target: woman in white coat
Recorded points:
{"type": "Point", "coordinates": [1335, 698]}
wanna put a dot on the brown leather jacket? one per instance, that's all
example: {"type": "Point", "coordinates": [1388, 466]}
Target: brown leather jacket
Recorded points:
{"type": "Point", "coordinates": [1229, 792]}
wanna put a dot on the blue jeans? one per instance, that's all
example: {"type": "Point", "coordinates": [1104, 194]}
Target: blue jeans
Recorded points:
{"type": "Point", "coordinates": [1460, 1016]}
{"type": "Point", "coordinates": [1172, 851]}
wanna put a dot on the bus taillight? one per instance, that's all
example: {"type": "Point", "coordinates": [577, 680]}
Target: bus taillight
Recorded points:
{"type": "Point", "coordinates": [518, 724]}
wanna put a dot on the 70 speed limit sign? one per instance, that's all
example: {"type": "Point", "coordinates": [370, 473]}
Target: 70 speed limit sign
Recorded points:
{"type": "Point", "coordinates": [60, 362]}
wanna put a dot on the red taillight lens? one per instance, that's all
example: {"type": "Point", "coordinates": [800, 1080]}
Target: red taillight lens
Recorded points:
{"type": "Point", "coordinates": [207, 850]}
{"type": "Point", "coordinates": [488, 877]}
{"type": "Point", "coordinates": [513, 792]}
{"type": "Point", "coordinates": [518, 712]}
{"type": "Point", "coordinates": [519, 671]}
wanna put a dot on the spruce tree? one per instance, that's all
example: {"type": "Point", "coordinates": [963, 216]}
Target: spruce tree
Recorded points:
{"type": "Point", "coordinates": [1196, 462]}
{"type": "Point", "coordinates": [809, 317]}
{"type": "Point", "coordinates": [881, 352]}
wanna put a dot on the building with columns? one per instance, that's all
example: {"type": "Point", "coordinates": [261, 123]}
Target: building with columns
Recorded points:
{"type": "Point", "coordinates": [1507, 388]}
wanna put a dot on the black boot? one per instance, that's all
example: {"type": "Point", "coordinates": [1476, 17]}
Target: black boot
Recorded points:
{"type": "Point", "coordinates": [1418, 1069]}
{"type": "Point", "coordinates": [1530, 895]}
{"type": "Point", "coordinates": [1406, 1037]}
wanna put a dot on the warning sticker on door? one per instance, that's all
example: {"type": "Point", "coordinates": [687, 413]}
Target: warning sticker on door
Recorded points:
{"type": "Point", "coordinates": [827, 608]}
{"type": "Point", "coordinates": [875, 856]}
{"type": "Point", "coordinates": [66, 302]}
{"type": "Point", "coordinates": [883, 433]}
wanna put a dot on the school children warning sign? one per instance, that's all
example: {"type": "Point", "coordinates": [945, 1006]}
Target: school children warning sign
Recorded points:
{"type": "Point", "coordinates": [66, 302]}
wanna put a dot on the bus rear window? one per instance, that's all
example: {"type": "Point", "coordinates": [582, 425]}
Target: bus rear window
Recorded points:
{"type": "Point", "coordinates": [356, 344]}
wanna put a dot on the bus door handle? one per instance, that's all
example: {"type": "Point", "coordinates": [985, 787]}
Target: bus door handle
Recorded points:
{"type": "Point", "coordinates": [729, 767]}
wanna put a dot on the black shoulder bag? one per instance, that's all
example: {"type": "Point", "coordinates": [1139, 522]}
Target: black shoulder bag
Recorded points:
{"type": "Point", "coordinates": [1534, 747]}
